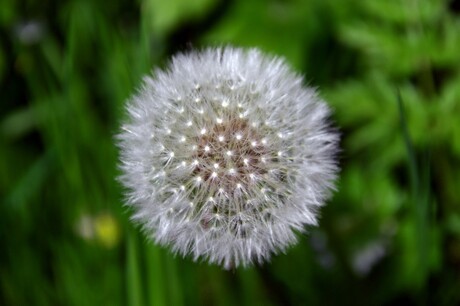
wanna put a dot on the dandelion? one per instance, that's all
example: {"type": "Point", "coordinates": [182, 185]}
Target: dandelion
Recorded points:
{"type": "Point", "coordinates": [226, 156]}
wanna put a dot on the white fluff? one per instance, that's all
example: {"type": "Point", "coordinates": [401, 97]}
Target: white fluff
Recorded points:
{"type": "Point", "coordinates": [225, 155]}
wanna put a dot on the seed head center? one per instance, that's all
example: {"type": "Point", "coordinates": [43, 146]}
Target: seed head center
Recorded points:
{"type": "Point", "coordinates": [232, 156]}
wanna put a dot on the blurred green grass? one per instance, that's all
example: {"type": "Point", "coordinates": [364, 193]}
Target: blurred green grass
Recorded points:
{"type": "Point", "coordinates": [391, 71]}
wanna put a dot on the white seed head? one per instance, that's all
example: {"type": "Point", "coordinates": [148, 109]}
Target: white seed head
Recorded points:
{"type": "Point", "coordinates": [241, 159]}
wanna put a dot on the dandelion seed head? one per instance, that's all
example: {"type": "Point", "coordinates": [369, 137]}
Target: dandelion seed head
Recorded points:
{"type": "Point", "coordinates": [242, 156]}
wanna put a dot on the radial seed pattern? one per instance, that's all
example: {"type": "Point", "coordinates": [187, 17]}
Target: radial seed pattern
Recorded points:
{"type": "Point", "coordinates": [225, 155]}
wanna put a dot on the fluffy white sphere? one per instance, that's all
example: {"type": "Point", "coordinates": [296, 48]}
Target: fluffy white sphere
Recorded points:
{"type": "Point", "coordinates": [225, 155]}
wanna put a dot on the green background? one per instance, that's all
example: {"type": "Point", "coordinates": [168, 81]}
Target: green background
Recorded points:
{"type": "Point", "coordinates": [389, 69]}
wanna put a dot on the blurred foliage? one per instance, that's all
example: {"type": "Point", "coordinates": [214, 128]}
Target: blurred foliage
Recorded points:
{"type": "Point", "coordinates": [391, 71]}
